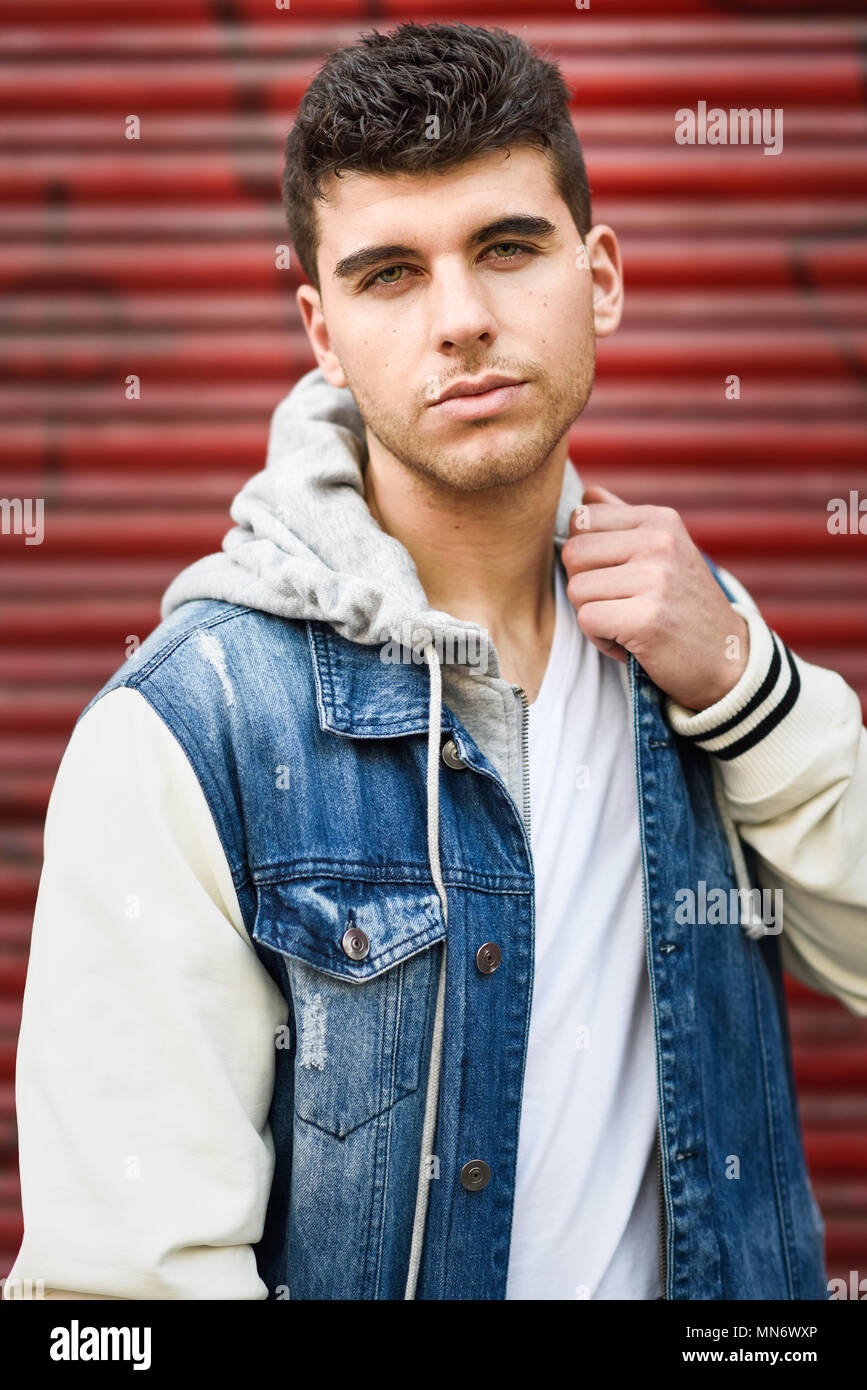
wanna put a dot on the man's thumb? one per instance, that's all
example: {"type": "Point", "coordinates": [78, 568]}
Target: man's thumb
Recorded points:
{"type": "Point", "coordinates": [601, 494]}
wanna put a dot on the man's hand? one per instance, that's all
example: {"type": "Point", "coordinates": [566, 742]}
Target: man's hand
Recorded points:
{"type": "Point", "coordinates": [639, 584]}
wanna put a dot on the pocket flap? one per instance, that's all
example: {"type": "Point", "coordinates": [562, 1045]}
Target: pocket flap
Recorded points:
{"type": "Point", "coordinates": [307, 918]}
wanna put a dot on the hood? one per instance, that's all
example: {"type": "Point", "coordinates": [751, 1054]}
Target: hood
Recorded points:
{"type": "Point", "coordinates": [306, 546]}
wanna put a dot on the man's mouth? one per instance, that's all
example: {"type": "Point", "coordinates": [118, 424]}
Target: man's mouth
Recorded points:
{"type": "Point", "coordinates": [474, 400]}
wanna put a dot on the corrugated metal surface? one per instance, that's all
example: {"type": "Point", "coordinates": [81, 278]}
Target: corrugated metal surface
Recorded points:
{"type": "Point", "coordinates": [157, 258]}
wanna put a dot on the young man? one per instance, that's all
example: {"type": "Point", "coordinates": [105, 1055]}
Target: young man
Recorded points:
{"type": "Point", "coordinates": [431, 694]}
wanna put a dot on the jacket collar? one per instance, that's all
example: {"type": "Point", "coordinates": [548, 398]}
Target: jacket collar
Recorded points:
{"type": "Point", "coordinates": [358, 693]}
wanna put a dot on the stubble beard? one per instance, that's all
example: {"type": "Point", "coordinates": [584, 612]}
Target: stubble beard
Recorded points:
{"type": "Point", "coordinates": [560, 405]}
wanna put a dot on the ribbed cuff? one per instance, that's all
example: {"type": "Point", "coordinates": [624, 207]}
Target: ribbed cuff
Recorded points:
{"type": "Point", "coordinates": [764, 730]}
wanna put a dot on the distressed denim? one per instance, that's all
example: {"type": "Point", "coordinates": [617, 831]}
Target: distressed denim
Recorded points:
{"type": "Point", "coordinates": [312, 756]}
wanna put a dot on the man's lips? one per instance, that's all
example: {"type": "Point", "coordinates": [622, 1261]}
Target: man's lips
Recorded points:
{"type": "Point", "coordinates": [483, 403]}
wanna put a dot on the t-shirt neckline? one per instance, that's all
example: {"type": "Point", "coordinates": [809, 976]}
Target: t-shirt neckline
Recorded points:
{"type": "Point", "coordinates": [556, 656]}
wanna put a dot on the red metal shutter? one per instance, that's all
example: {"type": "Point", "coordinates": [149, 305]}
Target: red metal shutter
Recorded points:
{"type": "Point", "coordinates": [155, 257]}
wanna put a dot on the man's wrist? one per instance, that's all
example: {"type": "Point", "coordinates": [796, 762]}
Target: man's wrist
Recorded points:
{"type": "Point", "coordinates": [732, 667]}
{"type": "Point", "coordinates": [743, 728]}
{"type": "Point", "coordinates": [780, 731]}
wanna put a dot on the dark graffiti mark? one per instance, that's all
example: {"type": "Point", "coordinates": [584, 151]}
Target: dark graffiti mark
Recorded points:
{"type": "Point", "coordinates": [850, 354]}
{"type": "Point", "coordinates": [249, 100]}
{"type": "Point", "coordinates": [33, 303]}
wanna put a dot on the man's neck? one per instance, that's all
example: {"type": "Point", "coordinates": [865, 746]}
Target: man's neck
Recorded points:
{"type": "Point", "coordinates": [484, 557]}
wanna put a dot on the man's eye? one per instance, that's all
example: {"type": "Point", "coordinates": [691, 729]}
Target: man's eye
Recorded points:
{"type": "Point", "coordinates": [376, 280]}
{"type": "Point", "coordinates": [512, 247]}
{"type": "Point", "coordinates": [387, 270]}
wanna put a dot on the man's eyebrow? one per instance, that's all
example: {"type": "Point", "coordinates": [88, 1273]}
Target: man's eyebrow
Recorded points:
{"type": "Point", "coordinates": [513, 225]}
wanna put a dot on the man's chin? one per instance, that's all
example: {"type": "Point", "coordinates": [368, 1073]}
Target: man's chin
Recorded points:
{"type": "Point", "coordinates": [473, 456]}
{"type": "Point", "coordinates": [496, 465]}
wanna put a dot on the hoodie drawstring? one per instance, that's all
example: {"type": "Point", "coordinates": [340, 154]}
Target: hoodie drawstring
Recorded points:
{"type": "Point", "coordinates": [433, 1085]}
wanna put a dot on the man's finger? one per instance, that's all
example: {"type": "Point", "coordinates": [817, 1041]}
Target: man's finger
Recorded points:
{"type": "Point", "coordinates": [588, 550]}
{"type": "Point", "coordinates": [599, 618]}
{"type": "Point", "coordinates": [602, 495]}
{"type": "Point", "coordinates": [601, 583]}
{"type": "Point", "coordinates": [605, 516]}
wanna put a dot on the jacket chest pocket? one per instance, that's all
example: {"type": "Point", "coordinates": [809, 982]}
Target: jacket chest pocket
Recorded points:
{"type": "Point", "coordinates": [361, 969]}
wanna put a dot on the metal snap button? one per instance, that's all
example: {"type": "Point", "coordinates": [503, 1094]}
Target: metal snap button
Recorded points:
{"type": "Point", "coordinates": [475, 1175]}
{"type": "Point", "coordinates": [451, 756]}
{"type": "Point", "coordinates": [488, 957]}
{"type": "Point", "coordinates": [355, 943]}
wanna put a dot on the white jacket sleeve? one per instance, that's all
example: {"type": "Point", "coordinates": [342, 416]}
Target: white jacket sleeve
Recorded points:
{"type": "Point", "coordinates": [792, 753]}
{"type": "Point", "coordinates": [145, 1064]}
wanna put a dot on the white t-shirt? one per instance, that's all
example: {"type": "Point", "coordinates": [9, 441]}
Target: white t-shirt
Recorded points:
{"type": "Point", "coordinates": [585, 1215]}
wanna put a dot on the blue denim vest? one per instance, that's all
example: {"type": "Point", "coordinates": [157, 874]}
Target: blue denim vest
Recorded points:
{"type": "Point", "coordinates": [315, 776]}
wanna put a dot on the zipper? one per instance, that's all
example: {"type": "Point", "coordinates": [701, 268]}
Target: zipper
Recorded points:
{"type": "Point", "coordinates": [525, 761]}
{"type": "Point", "coordinates": [662, 1219]}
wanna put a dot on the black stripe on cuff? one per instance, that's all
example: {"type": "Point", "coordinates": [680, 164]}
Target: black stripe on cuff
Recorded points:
{"type": "Point", "coordinates": [764, 690]}
{"type": "Point", "coordinates": [771, 720]}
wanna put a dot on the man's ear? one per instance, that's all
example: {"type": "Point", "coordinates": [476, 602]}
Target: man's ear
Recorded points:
{"type": "Point", "coordinates": [310, 304]}
{"type": "Point", "coordinates": [605, 268]}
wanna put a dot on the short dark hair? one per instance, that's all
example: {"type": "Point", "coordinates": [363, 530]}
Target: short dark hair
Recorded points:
{"type": "Point", "coordinates": [370, 105]}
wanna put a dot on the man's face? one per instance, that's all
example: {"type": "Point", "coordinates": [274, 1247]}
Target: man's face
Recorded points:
{"type": "Point", "coordinates": [431, 279]}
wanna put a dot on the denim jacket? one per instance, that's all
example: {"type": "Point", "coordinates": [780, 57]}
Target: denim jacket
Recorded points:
{"type": "Point", "coordinates": [335, 885]}
{"type": "Point", "coordinates": [333, 1110]}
